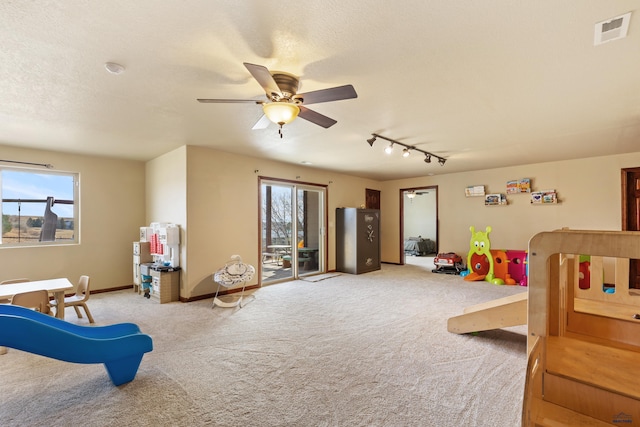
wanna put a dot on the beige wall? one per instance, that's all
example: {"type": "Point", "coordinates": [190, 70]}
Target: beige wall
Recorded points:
{"type": "Point", "coordinates": [213, 196]}
{"type": "Point", "coordinates": [112, 205]}
{"type": "Point", "coordinates": [166, 197]}
{"type": "Point", "coordinates": [222, 209]}
{"type": "Point", "coordinates": [588, 191]}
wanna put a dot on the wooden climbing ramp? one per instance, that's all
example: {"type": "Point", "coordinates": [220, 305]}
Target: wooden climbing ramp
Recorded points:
{"type": "Point", "coordinates": [496, 314]}
{"type": "Point", "coordinates": [582, 311]}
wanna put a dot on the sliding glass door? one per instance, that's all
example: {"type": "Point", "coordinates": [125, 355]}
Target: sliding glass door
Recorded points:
{"type": "Point", "coordinates": [292, 231]}
{"type": "Point", "coordinates": [310, 215]}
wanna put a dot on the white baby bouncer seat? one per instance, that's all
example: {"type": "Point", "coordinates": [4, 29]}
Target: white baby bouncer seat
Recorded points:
{"type": "Point", "coordinates": [233, 273]}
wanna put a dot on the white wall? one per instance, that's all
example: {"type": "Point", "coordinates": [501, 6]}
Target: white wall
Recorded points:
{"type": "Point", "coordinates": [420, 215]}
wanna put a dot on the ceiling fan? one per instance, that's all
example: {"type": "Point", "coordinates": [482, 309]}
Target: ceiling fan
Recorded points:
{"type": "Point", "coordinates": [411, 194]}
{"type": "Point", "coordinates": [283, 103]}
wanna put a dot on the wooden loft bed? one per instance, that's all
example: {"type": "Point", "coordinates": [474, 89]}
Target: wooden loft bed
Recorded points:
{"type": "Point", "coordinates": [583, 341]}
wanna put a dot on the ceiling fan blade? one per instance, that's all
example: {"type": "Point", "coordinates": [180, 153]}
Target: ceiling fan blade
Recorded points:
{"type": "Point", "coordinates": [316, 118]}
{"type": "Point", "coordinates": [264, 77]}
{"type": "Point", "coordinates": [327, 95]}
{"type": "Point", "coordinates": [263, 123]}
{"type": "Point", "coordinates": [228, 101]}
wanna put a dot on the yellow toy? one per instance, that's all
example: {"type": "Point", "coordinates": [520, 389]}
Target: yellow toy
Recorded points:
{"type": "Point", "coordinates": [480, 259]}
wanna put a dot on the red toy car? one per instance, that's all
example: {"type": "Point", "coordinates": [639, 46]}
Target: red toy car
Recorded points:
{"type": "Point", "coordinates": [448, 263]}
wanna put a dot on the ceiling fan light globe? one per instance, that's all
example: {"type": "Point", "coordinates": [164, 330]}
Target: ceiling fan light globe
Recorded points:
{"type": "Point", "coordinates": [281, 113]}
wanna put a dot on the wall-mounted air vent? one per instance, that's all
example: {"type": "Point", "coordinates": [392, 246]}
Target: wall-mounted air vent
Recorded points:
{"type": "Point", "coordinates": [612, 29]}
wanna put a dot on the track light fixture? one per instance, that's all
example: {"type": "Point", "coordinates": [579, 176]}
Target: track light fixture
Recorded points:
{"type": "Point", "coordinates": [407, 149]}
{"type": "Point", "coordinates": [389, 149]}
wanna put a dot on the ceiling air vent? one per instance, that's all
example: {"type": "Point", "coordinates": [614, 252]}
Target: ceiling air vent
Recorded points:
{"type": "Point", "coordinates": [612, 29]}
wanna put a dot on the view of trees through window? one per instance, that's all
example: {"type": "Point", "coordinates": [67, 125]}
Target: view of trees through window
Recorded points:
{"type": "Point", "coordinates": [277, 216]}
{"type": "Point", "coordinates": [38, 206]}
{"type": "Point", "coordinates": [291, 230]}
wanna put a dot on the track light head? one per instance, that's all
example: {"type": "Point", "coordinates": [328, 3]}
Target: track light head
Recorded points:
{"type": "Point", "coordinates": [442, 161]}
{"type": "Point", "coordinates": [406, 152]}
{"type": "Point", "coordinates": [371, 140]}
{"type": "Point", "coordinates": [427, 158]}
{"type": "Point", "coordinates": [389, 149]}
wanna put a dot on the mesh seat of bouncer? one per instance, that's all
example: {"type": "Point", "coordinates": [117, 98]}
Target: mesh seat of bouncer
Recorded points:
{"type": "Point", "coordinates": [234, 273]}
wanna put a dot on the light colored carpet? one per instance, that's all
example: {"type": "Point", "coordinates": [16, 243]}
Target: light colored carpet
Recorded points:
{"type": "Point", "coordinates": [365, 350]}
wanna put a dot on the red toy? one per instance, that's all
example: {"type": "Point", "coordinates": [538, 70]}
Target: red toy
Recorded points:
{"type": "Point", "coordinates": [448, 263]}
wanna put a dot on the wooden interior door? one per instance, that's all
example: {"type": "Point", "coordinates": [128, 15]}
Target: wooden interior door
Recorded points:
{"type": "Point", "coordinates": [631, 215]}
{"type": "Point", "coordinates": [372, 198]}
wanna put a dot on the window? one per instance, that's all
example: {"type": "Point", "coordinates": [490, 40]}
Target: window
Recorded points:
{"type": "Point", "coordinates": [38, 207]}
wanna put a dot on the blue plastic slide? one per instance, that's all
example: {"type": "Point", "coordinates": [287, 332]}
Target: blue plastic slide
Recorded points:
{"type": "Point", "coordinates": [120, 347]}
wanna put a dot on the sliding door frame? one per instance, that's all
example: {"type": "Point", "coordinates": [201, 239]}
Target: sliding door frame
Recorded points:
{"type": "Point", "coordinates": [323, 236]}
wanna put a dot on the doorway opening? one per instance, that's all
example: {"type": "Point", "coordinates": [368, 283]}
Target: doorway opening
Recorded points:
{"type": "Point", "coordinates": [292, 230]}
{"type": "Point", "coordinates": [631, 216]}
{"type": "Point", "coordinates": [419, 231]}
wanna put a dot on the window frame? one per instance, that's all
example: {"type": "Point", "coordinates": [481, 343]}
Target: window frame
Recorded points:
{"type": "Point", "coordinates": [75, 203]}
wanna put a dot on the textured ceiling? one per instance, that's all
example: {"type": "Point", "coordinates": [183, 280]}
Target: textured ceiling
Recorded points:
{"type": "Point", "coordinates": [485, 84]}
